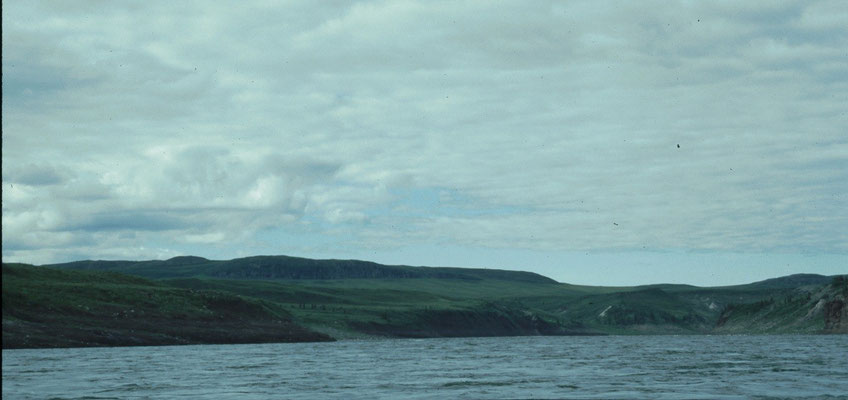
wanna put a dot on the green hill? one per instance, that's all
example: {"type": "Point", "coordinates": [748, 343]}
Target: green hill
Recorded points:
{"type": "Point", "coordinates": [804, 309]}
{"type": "Point", "coordinates": [354, 299]}
{"type": "Point", "coordinates": [45, 307]}
{"type": "Point", "coordinates": [285, 267]}
{"type": "Point", "coordinates": [792, 281]}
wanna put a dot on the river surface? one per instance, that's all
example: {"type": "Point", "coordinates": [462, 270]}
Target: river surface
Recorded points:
{"type": "Point", "coordinates": [651, 367]}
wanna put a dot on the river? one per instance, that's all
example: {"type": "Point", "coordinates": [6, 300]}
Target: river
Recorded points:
{"type": "Point", "coordinates": [651, 367]}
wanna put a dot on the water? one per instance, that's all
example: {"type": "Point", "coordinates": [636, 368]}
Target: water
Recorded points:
{"type": "Point", "coordinates": [652, 367]}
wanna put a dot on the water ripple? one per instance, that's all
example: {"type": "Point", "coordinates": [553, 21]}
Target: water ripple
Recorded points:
{"type": "Point", "coordinates": [656, 367]}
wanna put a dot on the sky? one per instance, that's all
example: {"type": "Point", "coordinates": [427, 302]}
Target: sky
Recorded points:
{"type": "Point", "coordinates": [595, 142]}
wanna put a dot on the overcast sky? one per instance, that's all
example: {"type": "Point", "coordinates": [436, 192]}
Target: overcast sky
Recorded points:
{"type": "Point", "coordinates": [594, 142]}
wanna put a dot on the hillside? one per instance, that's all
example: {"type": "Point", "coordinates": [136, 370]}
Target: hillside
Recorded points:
{"type": "Point", "coordinates": [805, 309]}
{"type": "Point", "coordinates": [356, 299]}
{"type": "Point", "coordinates": [44, 307]}
{"type": "Point", "coordinates": [286, 268]}
{"type": "Point", "coordinates": [791, 281]}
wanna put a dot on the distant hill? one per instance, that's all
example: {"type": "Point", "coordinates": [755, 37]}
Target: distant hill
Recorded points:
{"type": "Point", "coordinates": [213, 301]}
{"type": "Point", "coordinates": [792, 281]}
{"type": "Point", "coordinates": [294, 268]}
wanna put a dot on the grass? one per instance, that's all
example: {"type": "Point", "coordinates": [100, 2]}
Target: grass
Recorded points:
{"type": "Point", "coordinates": [45, 307]}
{"type": "Point", "coordinates": [345, 306]}
{"type": "Point", "coordinates": [196, 303]}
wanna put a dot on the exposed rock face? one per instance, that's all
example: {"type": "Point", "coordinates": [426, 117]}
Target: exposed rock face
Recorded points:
{"type": "Point", "coordinates": [836, 309]}
{"type": "Point", "coordinates": [816, 310]}
{"type": "Point", "coordinates": [836, 316]}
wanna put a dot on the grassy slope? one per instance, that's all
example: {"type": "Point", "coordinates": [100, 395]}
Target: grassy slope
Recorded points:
{"type": "Point", "coordinates": [406, 307]}
{"type": "Point", "coordinates": [403, 307]}
{"type": "Point", "coordinates": [810, 308]}
{"type": "Point", "coordinates": [403, 301]}
{"type": "Point", "coordinates": [45, 307]}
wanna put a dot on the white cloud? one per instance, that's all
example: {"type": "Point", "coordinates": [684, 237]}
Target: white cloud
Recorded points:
{"type": "Point", "coordinates": [146, 129]}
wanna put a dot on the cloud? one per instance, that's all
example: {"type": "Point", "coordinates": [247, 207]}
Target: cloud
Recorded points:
{"type": "Point", "coordinates": [157, 130]}
{"type": "Point", "coordinates": [35, 175]}
{"type": "Point", "coordinates": [130, 221]}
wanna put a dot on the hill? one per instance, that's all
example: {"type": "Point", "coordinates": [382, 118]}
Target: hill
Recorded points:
{"type": "Point", "coordinates": [45, 307]}
{"type": "Point", "coordinates": [804, 309]}
{"type": "Point", "coordinates": [792, 281]}
{"type": "Point", "coordinates": [294, 268]}
{"type": "Point", "coordinates": [355, 299]}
